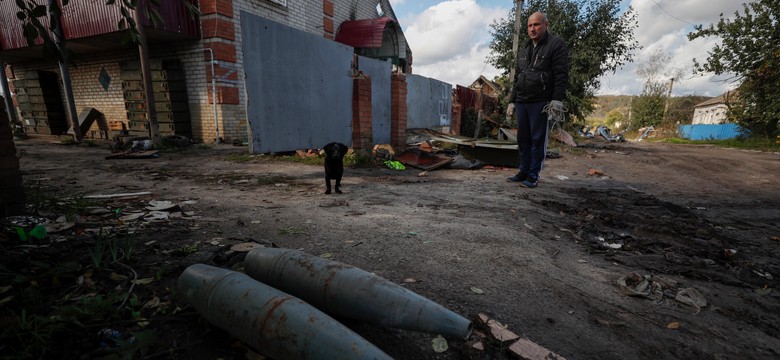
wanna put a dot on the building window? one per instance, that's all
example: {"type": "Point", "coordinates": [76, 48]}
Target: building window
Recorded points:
{"type": "Point", "coordinates": [280, 2]}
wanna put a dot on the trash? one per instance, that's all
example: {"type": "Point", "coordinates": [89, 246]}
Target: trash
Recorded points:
{"type": "Point", "coordinates": [527, 349]}
{"type": "Point", "coordinates": [395, 165]}
{"type": "Point", "coordinates": [477, 290]}
{"type": "Point", "coordinates": [564, 137]}
{"type": "Point", "coordinates": [498, 331]}
{"type": "Point", "coordinates": [422, 160]}
{"type": "Point", "coordinates": [763, 291]}
{"type": "Point", "coordinates": [461, 162]}
{"type": "Point", "coordinates": [645, 132]}
{"type": "Point", "coordinates": [350, 292]}
{"type": "Point", "coordinates": [692, 298]}
{"type": "Point", "coordinates": [673, 325]}
{"type": "Point", "coordinates": [562, 177]}
{"type": "Point", "coordinates": [729, 252]}
{"type": "Point", "coordinates": [763, 274]}
{"type": "Point", "coordinates": [594, 172]}
{"type": "Point", "coordinates": [439, 344]}
{"type": "Point", "coordinates": [155, 205]}
{"type": "Point", "coordinates": [122, 195]}
{"type": "Point", "coordinates": [245, 247]}
{"type": "Point", "coordinates": [274, 323]}
{"type": "Point", "coordinates": [633, 284]}
{"type": "Point", "coordinates": [775, 238]}
{"type": "Point", "coordinates": [605, 132]}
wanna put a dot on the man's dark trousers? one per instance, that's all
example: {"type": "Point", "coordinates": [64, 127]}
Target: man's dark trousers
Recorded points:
{"type": "Point", "coordinates": [531, 137]}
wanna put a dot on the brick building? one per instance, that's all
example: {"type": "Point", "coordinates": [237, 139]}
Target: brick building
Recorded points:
{"type": "Point", "coordinates": [196, 63]}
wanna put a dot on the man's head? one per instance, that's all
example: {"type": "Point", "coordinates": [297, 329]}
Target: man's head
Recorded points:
{"type": "Point", "coordinates": [537, 26]}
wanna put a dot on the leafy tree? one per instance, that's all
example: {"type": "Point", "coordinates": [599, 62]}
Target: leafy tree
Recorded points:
{"type": "Point", "coordinates": [614, 117]}
{"type": "Point", "coordinates": [681, 108]}
{"type": "Point", "coordinates": [647, 110]}
{"type": "Point", "coordinates": [651, 103]}
{"type": "Point", "coordinates": [751, 50]}
{"type": "Point", "coordinates": [600, 40]}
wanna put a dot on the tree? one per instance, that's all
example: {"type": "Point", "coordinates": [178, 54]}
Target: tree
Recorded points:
{"type": "Point", "coordinates": [658, 75]}
{"type": "Point", "coordinates": [600, 40]}
{"type": "Point", "coordinates": [751, 50]}
{"type": "Point", "coordinates": [615, 118]}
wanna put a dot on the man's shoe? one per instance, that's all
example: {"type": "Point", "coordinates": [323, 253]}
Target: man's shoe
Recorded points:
{"type": "Point", "coordinates": [519, 177]}
{"type": "Point", "coordinates": [530, 182]}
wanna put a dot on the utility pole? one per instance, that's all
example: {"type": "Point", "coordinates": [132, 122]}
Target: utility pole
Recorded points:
{"type": "Point", "coordinates": [668, 95]}
{"type": "Point", "coordinates": [516, 40]}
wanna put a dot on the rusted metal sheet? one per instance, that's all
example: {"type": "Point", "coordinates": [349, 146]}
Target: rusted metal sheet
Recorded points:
{"type": "Point", "coordinates": [11, 35]}
{"type": "Point", "coordinates": [82, 19]}
{"type": "Point", "coordinates": [417, 158]}
{"type": "Point", "coordinates": [89, 18]}
{"type": "Point", "coordinates": [365, 33]}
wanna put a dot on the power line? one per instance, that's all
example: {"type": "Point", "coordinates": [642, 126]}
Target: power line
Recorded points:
{"type": "Point", "coordinates": [668, 13]}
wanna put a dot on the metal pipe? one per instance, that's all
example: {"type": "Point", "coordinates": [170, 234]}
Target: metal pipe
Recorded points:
{"type": "Point", "coordinates": [65, 75]}
{"type": "Point", "coordinates": [143, 54]}
{"type": "Point", "coordinates": [275, 324]}
{"type": "Point", "coordinates": [343, 290]}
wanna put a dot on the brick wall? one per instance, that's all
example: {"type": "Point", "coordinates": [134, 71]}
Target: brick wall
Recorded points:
{"type": "Point", "coordinates": [455, 122]}
{"type": "Point", "coordinates": [362, 128]}
{"type": "Point", "coordinates": [12, 196]}
{"type": "Point", "coordinates": [398, 110]}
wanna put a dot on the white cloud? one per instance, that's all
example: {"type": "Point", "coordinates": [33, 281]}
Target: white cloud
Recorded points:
{"type": "Point", "coordinates": [450, 40]}
{"type": "Point", "coordinates": [664, 25]}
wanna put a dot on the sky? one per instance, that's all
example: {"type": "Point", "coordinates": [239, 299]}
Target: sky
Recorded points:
{"type": "Point", "coordinates": [450, 40]}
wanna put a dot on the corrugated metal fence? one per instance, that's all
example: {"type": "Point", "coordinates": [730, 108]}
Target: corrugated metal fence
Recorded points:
{"type": "Point", "coordinates": [711, 131]}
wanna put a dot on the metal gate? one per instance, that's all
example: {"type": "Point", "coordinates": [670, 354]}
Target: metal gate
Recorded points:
{"type": "Point", "coordinates": [298, 87]}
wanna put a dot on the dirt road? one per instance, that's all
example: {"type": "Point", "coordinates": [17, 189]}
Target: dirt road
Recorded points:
{"type": "Point", "coordinates": [546, 260]}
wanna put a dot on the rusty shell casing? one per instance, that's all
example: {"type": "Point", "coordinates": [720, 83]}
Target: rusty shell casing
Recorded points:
{"type": "Point", "coordinates": [272, 322]}
{"type": "Point", "coordinates": [346, 291]}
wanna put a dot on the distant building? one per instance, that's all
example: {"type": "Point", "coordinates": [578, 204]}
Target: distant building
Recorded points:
{"type": "Point", "coordinates": [713, 111]}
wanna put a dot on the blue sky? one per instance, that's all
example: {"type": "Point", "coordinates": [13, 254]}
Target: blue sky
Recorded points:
{"type": "Point", "coordinates": [449, 40]}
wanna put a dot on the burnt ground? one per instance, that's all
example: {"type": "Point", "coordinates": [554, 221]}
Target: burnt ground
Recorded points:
{"type": "Point", "coordinates": [546, 260]}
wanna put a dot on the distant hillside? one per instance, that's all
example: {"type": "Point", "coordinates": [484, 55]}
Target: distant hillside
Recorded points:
{"type": "Point", "coordinates": [607, 103]}
{"type": "Point", "coordinates": [680, 107]}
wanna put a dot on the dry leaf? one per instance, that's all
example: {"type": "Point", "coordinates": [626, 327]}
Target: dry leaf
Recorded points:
{"type": "Point", "coordinates": [477, 290]}
{"type": "Point", "coordinates": [143, 281]}
{"type": "Point", "coordinates": [673, 325]}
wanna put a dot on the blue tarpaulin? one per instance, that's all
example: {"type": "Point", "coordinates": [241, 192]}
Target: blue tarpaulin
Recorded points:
{"type": "Point", "coordinates": [710, 131]}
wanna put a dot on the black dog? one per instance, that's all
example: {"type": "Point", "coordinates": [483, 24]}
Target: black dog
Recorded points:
{"type": "Point", "coordinates": [334, 164]}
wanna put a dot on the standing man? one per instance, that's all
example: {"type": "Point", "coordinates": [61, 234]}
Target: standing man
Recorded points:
{"type": "Point", "coordinates": [542, 75]}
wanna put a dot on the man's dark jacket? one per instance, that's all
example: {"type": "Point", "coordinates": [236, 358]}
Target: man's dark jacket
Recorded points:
{"type": "Point", "coordinates": [542, 71]}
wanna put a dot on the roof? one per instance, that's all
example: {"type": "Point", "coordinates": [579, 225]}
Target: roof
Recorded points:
{"type": "Point", "coordinates": [365, 33]}
{"type": "Point", "coordinates": [721, 99]}
{"type": "Point", "coordinates": [482, 79]}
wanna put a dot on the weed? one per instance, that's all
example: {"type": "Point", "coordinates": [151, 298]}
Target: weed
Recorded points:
{"type": "Point", "coordinates": [97, 253]}
{"type": "Point", "coordinates": [358, 159]}
{"type": "Point", "coordinates": [271, 179]}
{"type": "Point", "coordinates": [291, 230]}
{"type": "Point", "coordinates": [241, 158]}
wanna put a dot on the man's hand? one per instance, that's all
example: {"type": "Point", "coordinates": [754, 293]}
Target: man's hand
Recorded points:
{"type": "Point", "coordinates": [556, 105]}
{"type": "Point", "coordinates": [510, 110]}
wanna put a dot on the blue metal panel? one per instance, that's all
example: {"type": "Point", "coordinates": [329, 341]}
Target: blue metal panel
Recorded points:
{"type": "Point", "coordinates": [711, 131]}
{"type": "Point", "coordinates": [428, 102]}
{"type": "Point", "coordinates": [298, 87]}
{"type": "Point", "coordinates": [381, 100]}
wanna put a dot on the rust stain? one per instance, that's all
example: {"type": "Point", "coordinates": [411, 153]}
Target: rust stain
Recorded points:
{"type": "Point", "coordinates": [276, 303]}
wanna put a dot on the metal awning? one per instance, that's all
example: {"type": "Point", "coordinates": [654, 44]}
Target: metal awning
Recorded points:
{"type": "Point", "coordinates": [365, 33]}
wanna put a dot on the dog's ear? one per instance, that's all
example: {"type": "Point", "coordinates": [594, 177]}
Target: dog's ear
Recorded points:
{"type": "Point", "coordinates": [343, 148]}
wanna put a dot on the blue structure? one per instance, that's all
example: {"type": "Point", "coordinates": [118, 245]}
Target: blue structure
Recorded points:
{"type": "Point", "coordinates": [711, 131]}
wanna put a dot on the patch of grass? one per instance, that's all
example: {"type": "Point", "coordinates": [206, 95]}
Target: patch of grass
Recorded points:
{"type": "Point", "coordinates": [241, 158]}
{"type": "Point", "coordinates": [291, 230]}
{"type": "Point", "coordinates": [764, 144]}
{"type": "Point", "coordinates": [272, 179]}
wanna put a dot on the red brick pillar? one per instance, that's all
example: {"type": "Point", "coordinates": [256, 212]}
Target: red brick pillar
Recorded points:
{"type": "Point", "coordinates": [328, 27]}
{"type": "Point", "coordinates": [12, 198]}
{"type": "Point", "coordinates": [455, 122]}
{"type": "Point", "coordinates": [362, 131]}
{"type": "Point", "coordinates": [398, 111]}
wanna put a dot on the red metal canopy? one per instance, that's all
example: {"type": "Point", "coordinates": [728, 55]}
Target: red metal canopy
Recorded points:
{"type": "Point", "coordinates": [366, 33]}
